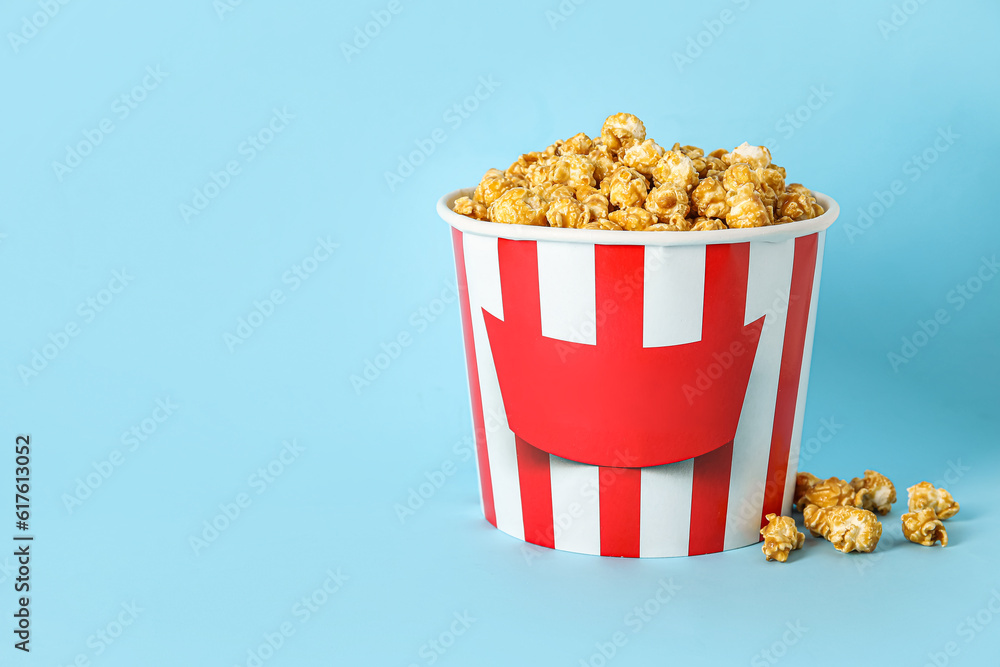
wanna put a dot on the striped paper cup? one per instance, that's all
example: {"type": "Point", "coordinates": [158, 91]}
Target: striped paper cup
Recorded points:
{"type": "Point", "coordinates": [637, 393]}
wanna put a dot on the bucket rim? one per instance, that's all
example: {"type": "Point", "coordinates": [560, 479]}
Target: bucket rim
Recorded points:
{"type": "Point", "coordinates": [769, 234]}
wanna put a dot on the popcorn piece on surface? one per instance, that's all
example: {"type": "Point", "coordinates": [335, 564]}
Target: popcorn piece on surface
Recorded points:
{"type": "Point", "coordinates": [803, 482]}
{"type": "Point", "coordinates": [642, 157]}
{"type": "Point", "coordinates": [578, 144]}
{"type": "Point", "coordinates": [632, 218]}
{"type": "Point", "coordinates": [567, 212]}
{"type": "Point", "coordinates": [707, 225]}
{"type": "Point", "coordinates": [755, 156]}
{"type": "Point", "coordinates": [603, 223]}
{"type": "Point", "coordinates": [828, 493]}
{"type": "Point", "coordinates": [677, 169]}
{"type": "Point", "coordinates": [847, 528]}
{"type": "Point", "coordinates": [780, 537]}
{"type": "Point", "coordinates": [518, 206]}
{"type": "Point", "coordinates": [877, 492]}
{"type": "Point", "coordinates": [924, 527]}
{"type": "Point", "coordinates": [746, 209]}
{"type": "Point", "coordinates": [573, 170]}
{"type": "Point", "coordinates": [667, 202]}
{"type": "Point", "coordinates": [709, 199]}
{"type": "Point", "coordinates": [592, 198]}
{"type": "Point", "coordinates": [625, 187]}
{"type": "Point", "coordinates": [622, 130]}
{"type": "Point", "coordinates": [470, 208]}
{"type": "Point", "coordinates": [925, 494]}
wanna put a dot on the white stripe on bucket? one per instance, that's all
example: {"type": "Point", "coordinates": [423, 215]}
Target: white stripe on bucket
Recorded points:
{"type": "Point", "coordinates": [768, 283]}
{"type": "Point", "coordinates": [800, 402]}
{"type": "Point", "coordinates": [576, 510]}
{"type": "Point", "coordinates": [665, 515]}
{"type": "Point", "coordinates": [672, 316]}
{"type": "Point", "coordinates": [484, 292]}
{"type": "Point", "coordinates": [566, 289]}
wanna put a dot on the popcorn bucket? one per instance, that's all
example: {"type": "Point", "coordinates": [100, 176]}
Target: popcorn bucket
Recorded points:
{"type": "Point", "coordinates": [637, 394]}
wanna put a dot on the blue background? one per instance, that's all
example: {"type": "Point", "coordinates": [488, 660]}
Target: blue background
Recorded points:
{"type": "Point", "coordinates": [560, 69]}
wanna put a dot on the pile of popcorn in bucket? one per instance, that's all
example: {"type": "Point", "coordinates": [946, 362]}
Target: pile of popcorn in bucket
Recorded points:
{"type": "Point", "coordinates": [621, 180]}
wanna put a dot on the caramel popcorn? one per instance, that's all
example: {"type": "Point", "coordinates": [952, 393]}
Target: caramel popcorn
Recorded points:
{"type": "Point", "coordinates": [604, 161]}
{"type": "Point", "coordinates": [924, 527]}
{"type": "Point", "coordinates": [829, 493]}
{"type": "Point", "coordinates": [493, 184]}
{"type": "Point", "coordinates": [876, 492]}
{"type": "Point", "coordinates": [738, 175]}
{"type": "Point", "coordinates": [625, 187]}
{"type": "Point", "coordinates": [603, 223]}
{"type": "Point", "coordinates": [925, 494]}
{"type": "Point", "coordinates": [713, 167]}
{"type": "Point", "coordinates": [642, 157]}
{"type": "Point", "coordinates": [665, 227]}
{"type": "Point", "coordinates": [847, 528]}
{"type": "Point", "coordinates": [709, 199]}
{"type": "Point", "coordinates": [622, 130]}
{"type": "Point", "coordinates": [803, 482]}
{"type": "Point", "coordinates": [519, 167]}
{"type": "Point", "coordinates": [668, 203]}
{"type": "Point", "coordinates": [622, 169]}
{"type": "Point", "coordinates": [593, 199]}
{"type": "Point", "coordinates": [470, 208]}
{"type": "Point", "coordinates": [796, 204]}
{"type": "Point", "coordinates": [707, 225]}
{"type": "Point", "coordinates": [780, 537]}
{"type": "Point", "coordinates": [552, 191]}
{"type": "Point", "coordinates": [518, 206]}
{"type": "Point", "coordinates": [578, 144]}
{"type": "Point", "coordinates": [633, 218]}
{"type": "Point", "coordinates": [772, 179]}
{"type": "Point", "coordinates": [746, 209]}
{"type": "Point", "coordinates": [676, 169]}
{"type": "Point", "coordinates": [538, 173]}
{"type": "Point", "coordinates": [755, 156]}
{"type": "Point", "coordinates": [573, 170]}
{"type": "Point", "coordinates": [567, 212]}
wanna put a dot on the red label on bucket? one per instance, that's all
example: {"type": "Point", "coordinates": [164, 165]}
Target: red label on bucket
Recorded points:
{"type": "Point", "coordinates": [588, 403]}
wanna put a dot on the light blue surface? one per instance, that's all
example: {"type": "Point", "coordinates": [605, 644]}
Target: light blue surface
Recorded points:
{"type": "Point", "coordinates": [336, 125]}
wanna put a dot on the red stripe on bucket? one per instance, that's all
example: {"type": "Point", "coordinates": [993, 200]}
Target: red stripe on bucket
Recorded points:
{"type": "Point", "coordinates": [519, 283]}
{"type": "Point", "coordinates": [727, 269]}
{"type": "Point", "coordinates": [522, 306]}
{"type": "Point", "coordinates": [482, 455]}
{"type": "Point", "coordinates": [620, 505]}
{"type": "Point", "coordinates": [799, 296]}
{"type": "Point", "coordinates": [619, 274]}
{"type": "Point", "coordinates": [535, 479]}
{"type": "Point", "coordinates": [710, 500]}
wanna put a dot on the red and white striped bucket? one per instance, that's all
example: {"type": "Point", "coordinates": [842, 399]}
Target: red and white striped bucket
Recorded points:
{"type": "Point", "coordinates": [637, 393]}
